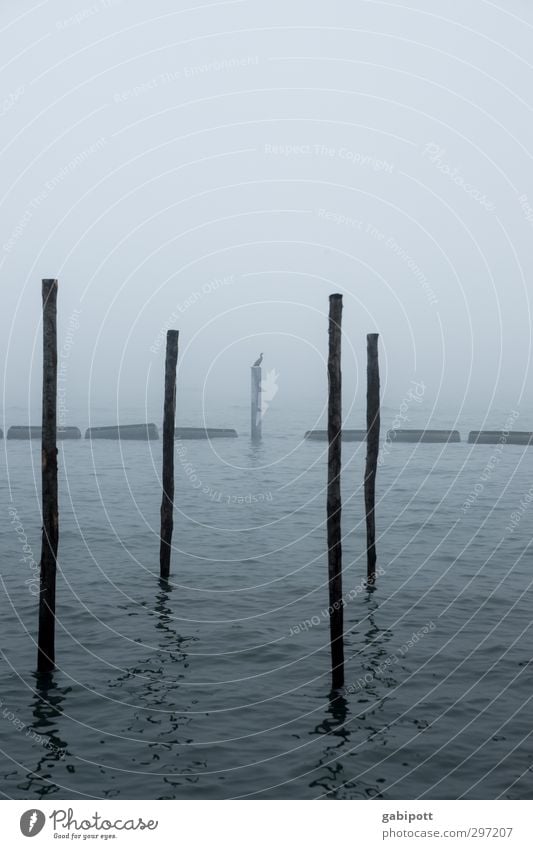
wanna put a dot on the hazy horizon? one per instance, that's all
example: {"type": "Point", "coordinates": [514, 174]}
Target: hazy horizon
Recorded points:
{"type": "Point", "coordinates": [224, 174]}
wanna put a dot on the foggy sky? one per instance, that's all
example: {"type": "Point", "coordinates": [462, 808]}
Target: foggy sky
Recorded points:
{"type": "Point", "coordinates": [222, 168]}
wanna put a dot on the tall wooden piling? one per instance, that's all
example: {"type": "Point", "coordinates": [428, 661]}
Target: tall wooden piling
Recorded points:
{"type": "Point", "coordinates": [334, 504]}
{"type": "Point", "coordinates": [50, 531]}
{"type": "Point", "coordinates": [372, 450]}
{"type": "Point", "coordinates": [256, 418]}
{"type": "Point", "coordinates": [169, 425]}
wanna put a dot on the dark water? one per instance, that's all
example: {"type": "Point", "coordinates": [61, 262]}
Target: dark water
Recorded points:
{"type": "Point", "coordinates": [217, 685]}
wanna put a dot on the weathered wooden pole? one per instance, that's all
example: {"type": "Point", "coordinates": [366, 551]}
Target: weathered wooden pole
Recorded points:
{"type": "Point", "coordinates": [169, 426]}
{"type": "Point", "coordinates": [372, 450]}
{"type": "Point", "coordinates": [50, 533]}
{"type": "Point", "coordinates": [334, 504]}
{"type": "Point", "coordinates": [256, 403]}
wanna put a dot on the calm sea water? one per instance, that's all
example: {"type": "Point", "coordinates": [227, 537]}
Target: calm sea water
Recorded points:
{"type": "Point", "coordinates": [217, 685]}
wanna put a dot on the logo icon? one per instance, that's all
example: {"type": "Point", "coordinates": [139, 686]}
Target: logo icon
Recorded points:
{"type": "Point", "coordinates": [32, 822]}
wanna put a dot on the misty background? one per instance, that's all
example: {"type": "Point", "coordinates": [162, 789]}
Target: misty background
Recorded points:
{"type": "Point", "coordinates": [223, 167]}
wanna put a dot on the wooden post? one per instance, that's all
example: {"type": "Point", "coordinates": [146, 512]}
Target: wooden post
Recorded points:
{"type": "Point", "coordinates": [256, 403]}
{"type": "Point", "coordinates": [50, 534]}
{"type": "Point", "coordinates": [334, 504]}
{"type": "Point", "coordinates": [372, 449]}
{"type": "Point", "coordinates": [169, 426]}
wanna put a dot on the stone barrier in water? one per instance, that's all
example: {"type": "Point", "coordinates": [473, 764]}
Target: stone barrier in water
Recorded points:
{"type": "Point", "coordinates": [135, 431]}
{"type": "Point", "coordinates": [408, 435]}
{"type": "Point", "coordinates": [205, 433]}
{"type": "Point", "coordinates": [30, 432]}
{"type": "Point", "coordinates": [347, 435]}
{"type": "Point", "coordinates": [493, 437]}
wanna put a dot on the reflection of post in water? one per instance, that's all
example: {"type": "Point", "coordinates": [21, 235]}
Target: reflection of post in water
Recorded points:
{"type": "Point", "coordinates": [167, 693]}
{"type": "Point", "coordinates": [256, 453]}
{"type": "Point", "coordinates": [156, 678]}
{"type": "Point", "coordinates": [333, 722]}
{"type": "Point", "coordinates": [352, 719]}
{"type": "Point", "coordinates": [375, 661]}
{"type": "Point", "coordinates": [336, 731]}
{"type": "Point", "coordinates": [48, 708]}
{"type": "Point", "coordinates": [162, 608]}
{"type": "Point", "coordinates": [172, 641]}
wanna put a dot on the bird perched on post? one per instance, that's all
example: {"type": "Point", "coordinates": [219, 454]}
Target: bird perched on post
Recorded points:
{"type": "Point", "coordinates": [258, 361]}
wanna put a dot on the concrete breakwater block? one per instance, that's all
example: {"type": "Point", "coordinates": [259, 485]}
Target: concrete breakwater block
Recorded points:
{"type": "Point", "coordinates": [493, 437]}
{"type": "Point", "coordinates": [205, 433]}
{"type": "Point", "coordinates": [30, 432]}
{"type": "Point", "coordinates": [348, 435]}
{"type": "Point", "coordinates": [135, 431]}
{"type": "Point", "coordinates": [408, 435]}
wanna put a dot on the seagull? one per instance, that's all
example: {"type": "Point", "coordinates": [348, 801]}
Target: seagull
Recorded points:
{"type": "Point", "coordinates": [258, 361]}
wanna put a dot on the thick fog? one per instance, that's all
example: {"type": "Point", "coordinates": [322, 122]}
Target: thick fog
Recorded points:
{"type": "Point", "coordinates": [221, 168]}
